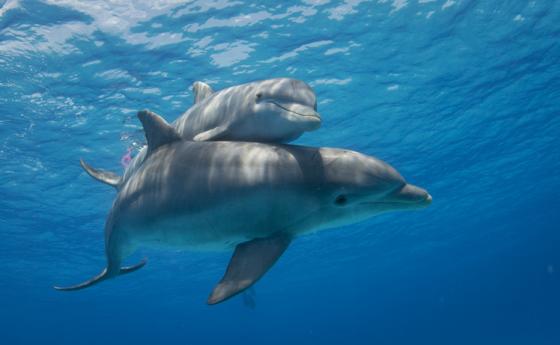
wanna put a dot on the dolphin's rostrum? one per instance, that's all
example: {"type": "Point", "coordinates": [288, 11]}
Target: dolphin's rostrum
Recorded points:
{"type": "Point", "coordinates": [253, 197]}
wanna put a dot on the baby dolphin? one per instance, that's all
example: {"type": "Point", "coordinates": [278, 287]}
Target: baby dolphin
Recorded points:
{"type": "Point", "coordinates": [273, 110]}
{"type": "Point", "coordinates": [252, 197]}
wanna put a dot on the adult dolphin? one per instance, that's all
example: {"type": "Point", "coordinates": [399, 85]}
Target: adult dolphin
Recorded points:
{"type": "Point", "coordinates": [253, 197]}
{"type": "Point", "coordinates": [274, 110]}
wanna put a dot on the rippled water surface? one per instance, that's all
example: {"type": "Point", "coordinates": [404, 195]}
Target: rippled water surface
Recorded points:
{"type": "Point", "coordinates": [463, 97]}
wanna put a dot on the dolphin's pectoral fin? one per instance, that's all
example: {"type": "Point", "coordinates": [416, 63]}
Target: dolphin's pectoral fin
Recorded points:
{"type": "Point", "coordinates": [158, 131]}
{"type": "Point", "coordinates": [215, 133]}
{"type": "Point", "coordinates": [107, 177]}
{"type": "Point", "coordinates": [249, 262]}
{"type": "Point", "coordinates": [201, 91]}
{"type": "Point", "coordinates": [101, 277]}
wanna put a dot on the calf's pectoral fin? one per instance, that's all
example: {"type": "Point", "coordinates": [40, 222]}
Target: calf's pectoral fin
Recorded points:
{"type": "Point", "coordinates": [216, 133]}
{"type": "Point", "coordinates": [249, 263]}
{"type": "Point", "coordinates": [102, 276]}
{"type": "Point", "coordinates": [104, 176]}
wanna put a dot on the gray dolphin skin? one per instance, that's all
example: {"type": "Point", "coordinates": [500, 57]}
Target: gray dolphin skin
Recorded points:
{"type": "Point", "coordinates": [274, 110]}
{"type": "Point", "coordinates": [254, 198]}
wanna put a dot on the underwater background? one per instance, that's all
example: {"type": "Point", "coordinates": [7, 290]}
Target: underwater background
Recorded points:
{"type": "Point", "coordinates": [462, 97]}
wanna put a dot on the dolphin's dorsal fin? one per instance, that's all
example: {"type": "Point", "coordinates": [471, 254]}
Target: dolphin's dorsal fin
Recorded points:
{"type": "Point", "coordinates": [249, 262]}
{"type": "Point", "coordinates": [158, 131]}
{"type": "Point", "coordinates": [201, 91]}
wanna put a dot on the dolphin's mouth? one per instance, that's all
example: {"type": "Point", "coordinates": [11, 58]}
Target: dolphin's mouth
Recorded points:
{"type": "Point", "coordinates": [299, 109]}
{"type": "Point", "coordinates": [418, 203]}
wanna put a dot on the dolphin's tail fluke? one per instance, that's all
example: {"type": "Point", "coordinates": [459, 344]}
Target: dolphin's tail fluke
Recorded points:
{"type": "Point", "coordinates": [130, 269]}
{"type": "Point", "coordinates": [101, 277]}
{"type": "Point", "coordinates": [106, 177]}
{"type": "Point", "coordinates": [98, 278]}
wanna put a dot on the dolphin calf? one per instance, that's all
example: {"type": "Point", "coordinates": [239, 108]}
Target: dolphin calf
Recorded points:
{"type": "Point", "coordinates": [273, 110]}
{"type": "Point", "coordinates": [251, 197]}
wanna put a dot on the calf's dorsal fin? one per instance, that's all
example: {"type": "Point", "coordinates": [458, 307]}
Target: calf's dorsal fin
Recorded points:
{"type": "Point", "coordinates": [201, 91]}
{"type": "Point", "coordinates": [158, 131]}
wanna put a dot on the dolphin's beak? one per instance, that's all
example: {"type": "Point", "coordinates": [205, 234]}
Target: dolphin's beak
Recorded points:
{"type": "Point", "coordinates": [411, 195]}
{"type": "Point", "coordinates": [428, 199]}
{"type": "Point", "coordinates": [305, 114]}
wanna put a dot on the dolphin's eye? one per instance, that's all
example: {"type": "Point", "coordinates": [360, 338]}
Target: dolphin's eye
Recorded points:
{"type": "Point", "coordinates": [341, 200]}
{"type": "Point", "coordinates": [259, 96]}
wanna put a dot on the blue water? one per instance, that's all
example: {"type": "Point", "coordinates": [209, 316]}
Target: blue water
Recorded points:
{"type": "Point", "coordinates": [462, 97]}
